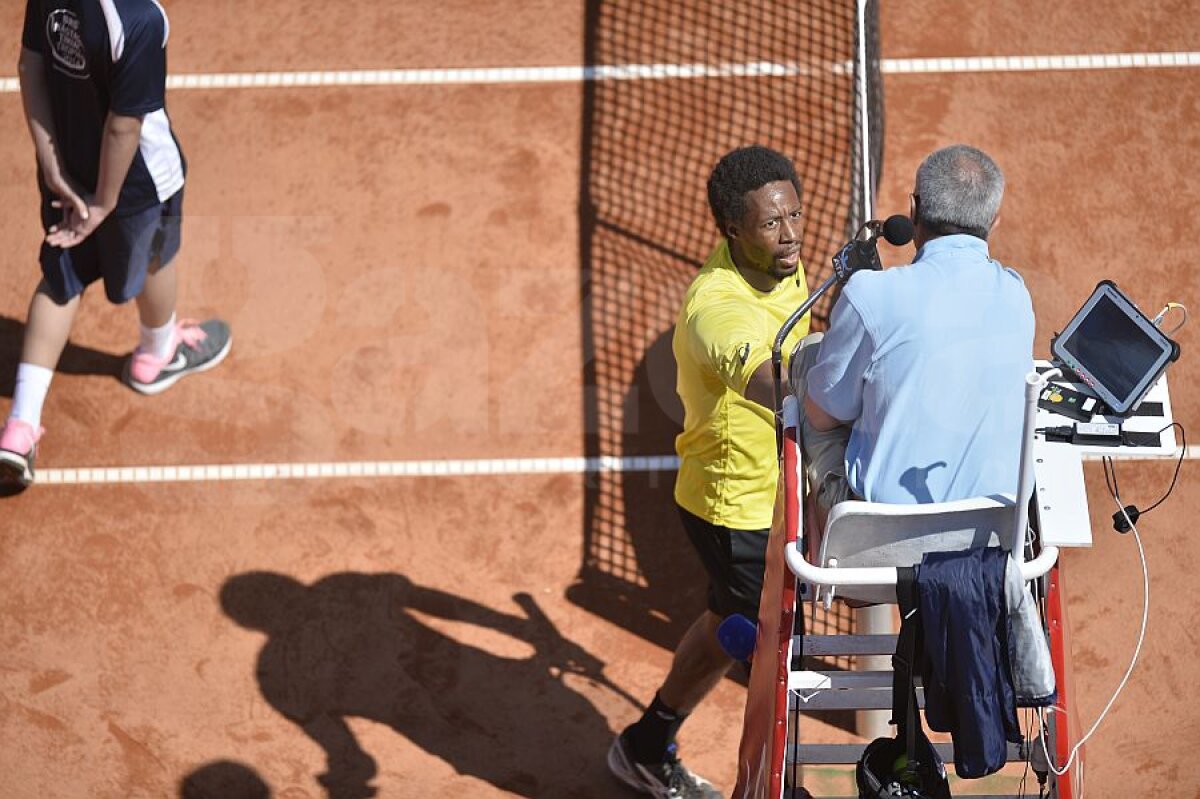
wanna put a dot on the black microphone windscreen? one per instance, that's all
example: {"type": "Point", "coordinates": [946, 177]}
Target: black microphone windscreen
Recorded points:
{"type": "Point", "coordinates": [898, 230]}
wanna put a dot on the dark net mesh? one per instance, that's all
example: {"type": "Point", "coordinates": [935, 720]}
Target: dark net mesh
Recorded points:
{"type": "Point", "coordinates": [673, 87]}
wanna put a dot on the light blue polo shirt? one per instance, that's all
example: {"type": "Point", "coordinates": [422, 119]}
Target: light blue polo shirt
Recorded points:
{"type": "Point", "coordinates": [928, 361]}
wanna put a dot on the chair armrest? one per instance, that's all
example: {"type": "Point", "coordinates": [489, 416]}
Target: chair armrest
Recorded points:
{"type": "Point", "coordinates": [886, 575]}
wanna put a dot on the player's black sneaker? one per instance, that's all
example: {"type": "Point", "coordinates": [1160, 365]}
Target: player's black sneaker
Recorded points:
{"type": "Point", "coordinates": [666, 780]}
{"type": "Point", "coordinates": [197, 347]}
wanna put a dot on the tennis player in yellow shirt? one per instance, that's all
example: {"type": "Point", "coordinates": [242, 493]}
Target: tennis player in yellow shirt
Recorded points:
{"type": "Point", "coordinates": [725, 488]}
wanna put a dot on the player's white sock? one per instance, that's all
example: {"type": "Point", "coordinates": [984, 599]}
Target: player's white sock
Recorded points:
{"type": "Point", "coordinates": [158, 341]}
{"type": "Point", "coordinates": [30, 393]}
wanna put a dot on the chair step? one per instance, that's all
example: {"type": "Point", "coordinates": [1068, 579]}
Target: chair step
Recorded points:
{"type": "Point", "coordinates": [838, 680]}
{"type": "Point", "coordinates": [832, 645]}
{"type": "Point", "coordinates": [843, 690]}
{"type": "Point", "coordinates": [847, 754]}
{"type": "Point", "coordinates": [852, 694]}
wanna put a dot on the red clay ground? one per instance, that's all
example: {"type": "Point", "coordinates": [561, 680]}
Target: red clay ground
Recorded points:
{"type": "Point", "coordinates": [401, 268]}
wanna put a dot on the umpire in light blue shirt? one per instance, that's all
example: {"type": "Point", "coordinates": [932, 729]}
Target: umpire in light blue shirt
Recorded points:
{"type": "Point", "coordinates": [915, 393]}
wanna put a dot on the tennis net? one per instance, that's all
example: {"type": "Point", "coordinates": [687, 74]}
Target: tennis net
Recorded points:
{"type": "Point", "coordinates": [677, 85]}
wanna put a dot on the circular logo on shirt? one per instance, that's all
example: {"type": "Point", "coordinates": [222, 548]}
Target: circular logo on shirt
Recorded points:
{"type": "Point", "coordinates": [66, 42]}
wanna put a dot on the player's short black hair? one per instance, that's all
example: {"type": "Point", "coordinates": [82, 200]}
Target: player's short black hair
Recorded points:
{"type": "Point", "coordinates": [744, 170]}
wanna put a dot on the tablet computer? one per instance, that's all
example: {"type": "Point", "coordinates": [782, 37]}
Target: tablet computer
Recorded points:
{"type": "Point", "coordinates": [1114, 348]}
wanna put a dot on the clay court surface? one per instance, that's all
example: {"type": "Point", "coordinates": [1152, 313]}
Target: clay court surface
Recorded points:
{"type": "Point", "coordinates": [401, 266]}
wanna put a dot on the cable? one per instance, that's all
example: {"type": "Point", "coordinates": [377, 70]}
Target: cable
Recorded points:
{"type": "Point", "coordinates": [1029, 737]}
{"type": "Point", "coordinates": [1137, 650]}
{"type": "Point", "coordinates": [1171, 306]}
{"type": "Point", "coordinates": [1063, 433]}
{"type": "Point", "coordinates": [1178, 463]}
{"type": "Point", "coordinates": [1129, 514]}
{"type": "Point", "coordinates": [1110, 482]}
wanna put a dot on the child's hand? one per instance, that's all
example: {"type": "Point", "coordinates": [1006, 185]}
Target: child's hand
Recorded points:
{"type": "Point", "coordinates": [69, 197]}
{"type": "Point", "coordinates": [79, 221]}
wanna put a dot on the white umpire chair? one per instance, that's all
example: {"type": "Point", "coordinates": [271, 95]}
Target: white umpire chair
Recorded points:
{"type": "Point", "coordinates": [863, 545]}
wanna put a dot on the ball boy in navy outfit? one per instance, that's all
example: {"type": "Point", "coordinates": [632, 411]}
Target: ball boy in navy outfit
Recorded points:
{"type": "Point", "coordinates": [111, 174]}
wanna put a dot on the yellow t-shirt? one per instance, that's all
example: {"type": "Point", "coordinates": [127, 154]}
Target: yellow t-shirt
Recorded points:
{"type": "Point", "coordinates": [725, 331]}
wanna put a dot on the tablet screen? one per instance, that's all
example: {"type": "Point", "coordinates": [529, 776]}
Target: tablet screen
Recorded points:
{"type": "Point", "coordinates": [1111, 346]}
{"type": "Point", "coordinates": [1114, 348]}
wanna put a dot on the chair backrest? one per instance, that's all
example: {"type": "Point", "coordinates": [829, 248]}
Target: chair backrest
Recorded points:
{"type": "Point", "coordinates": [864, 534]}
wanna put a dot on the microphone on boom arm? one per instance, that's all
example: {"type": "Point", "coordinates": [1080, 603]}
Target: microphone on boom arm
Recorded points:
{"type": "Point", "coordinates": [862, 252]}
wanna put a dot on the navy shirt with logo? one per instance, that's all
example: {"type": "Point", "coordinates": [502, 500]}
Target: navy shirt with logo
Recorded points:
{"type": "Point", "coordinates": [102, 56]}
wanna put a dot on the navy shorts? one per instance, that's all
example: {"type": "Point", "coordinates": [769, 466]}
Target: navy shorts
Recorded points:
{"type": "Point", "coordinates": [735, 561]}
{"type": "Point", "coordinates": [119, 252]}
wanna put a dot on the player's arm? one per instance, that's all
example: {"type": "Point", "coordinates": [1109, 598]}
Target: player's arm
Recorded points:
{"type": "Point", "coordinates": [761, 386]}
{"type": "Point", "coordinates": [119, 144]}
{"type": "Point", "coordinates": [761, 389]}
{"type": "Point", "coordinates": [36, 101]}
{"type": "Point", "coordinates": [735, 348]}
{"type": "Point", "coordinates": [122, 135]}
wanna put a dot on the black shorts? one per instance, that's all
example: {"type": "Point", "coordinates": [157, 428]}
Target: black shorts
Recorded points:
{"type": "Point", "coordinates": [734, 560]}
{"type": "Point", "coordinates": [119, 252]}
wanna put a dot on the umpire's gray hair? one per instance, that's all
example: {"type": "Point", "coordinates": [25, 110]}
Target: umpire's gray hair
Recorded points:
{"type": "Point", "coordinates": [959, 189]}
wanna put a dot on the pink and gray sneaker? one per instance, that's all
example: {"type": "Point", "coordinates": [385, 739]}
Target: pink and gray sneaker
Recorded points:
{"type": "Point", "coordinates": [18, 448]}
{"type": "Point", "coordinates": [198, 347]}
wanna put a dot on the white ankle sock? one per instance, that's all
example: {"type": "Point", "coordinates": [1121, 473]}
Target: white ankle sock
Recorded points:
{"type": "Point", "coordinates": [30, 393]}
{"type": "Point", "coordinates": [158, 341]}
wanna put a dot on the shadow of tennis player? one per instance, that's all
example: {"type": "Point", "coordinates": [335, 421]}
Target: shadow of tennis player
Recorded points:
{"type": "Point", "coordinates": [354, 645]}
{"type": "Point", "coordinates": [639, 571]}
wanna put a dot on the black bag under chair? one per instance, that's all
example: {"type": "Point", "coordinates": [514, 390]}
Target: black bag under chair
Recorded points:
{"type": "Point", "coordinates": [907, 766]}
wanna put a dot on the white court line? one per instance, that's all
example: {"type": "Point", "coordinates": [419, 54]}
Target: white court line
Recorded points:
{"type": "Point", "coordinates": [473, 75]}
{"type": "Point", "coordinates": [355, 469]}
{"type": "Point", "coordinates": [490, 467]}
{"type": "Point", "coordinates": [1190, 454]}
{"type": "Point", "coordinates": [1039, 63]}
{"type": "Point", "coordinates": [576, 74]}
